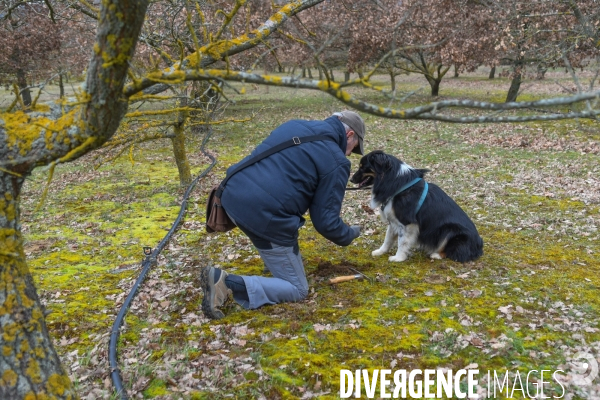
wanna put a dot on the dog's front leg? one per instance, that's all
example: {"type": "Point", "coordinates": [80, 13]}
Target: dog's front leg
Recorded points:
{"type": "Point", "coordinates": [406, 242]}
{"type": "Point", "coordinates": [390, 235]}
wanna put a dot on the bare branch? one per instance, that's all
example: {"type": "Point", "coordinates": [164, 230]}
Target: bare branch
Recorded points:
{"type": "Point", "coordinates": [429, 112]}
{"type": "Point", "coordinates": [226, 48]}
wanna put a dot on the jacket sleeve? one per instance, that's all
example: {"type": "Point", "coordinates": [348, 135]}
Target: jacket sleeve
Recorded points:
{"type": "Point", "coordinates": [327, 204]}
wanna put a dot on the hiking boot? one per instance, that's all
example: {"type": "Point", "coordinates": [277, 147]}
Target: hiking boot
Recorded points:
{"type": "Point", "coordinates": [216, 292]}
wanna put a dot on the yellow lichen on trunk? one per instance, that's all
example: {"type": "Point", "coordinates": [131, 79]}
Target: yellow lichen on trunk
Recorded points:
{"type": "Point", "coordinates": [27, 354]}
{"type": "Point", "coordinates": [23, 129]}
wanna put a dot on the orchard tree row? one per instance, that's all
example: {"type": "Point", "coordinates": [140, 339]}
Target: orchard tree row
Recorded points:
{"type": "Point", "coordinates": [52, 40]}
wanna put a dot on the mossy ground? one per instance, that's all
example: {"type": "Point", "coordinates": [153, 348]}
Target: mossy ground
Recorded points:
{"type": "Point", "coordinates": [531, 302]}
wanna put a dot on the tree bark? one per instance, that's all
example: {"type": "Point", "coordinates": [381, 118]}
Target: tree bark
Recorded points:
{"type": "Point", "coordinates": [541, 71]}
{"type": "Point", "coordinates": [346, 76]}
{"type": "Point", "coordinates": [61, 85]}
{"type": "Point", "coordinates": [435, 86]}
{"type": "Point", "coordinates": [393, 80]}
{"type": "Point", "coordinates": [513, 91]}
{"type": "Point", "coordinates": [24, 89]}
{"type": "Point", "coordinates": [331, 75]}
{"type": "Point", "coordinates": [515, 84]}
{"type": "Point", "coordinates": [178, 142]}
{"type": "Point", "coordinates": [492, 74]}
{"type": "Point", "coordinates": [29, 363]}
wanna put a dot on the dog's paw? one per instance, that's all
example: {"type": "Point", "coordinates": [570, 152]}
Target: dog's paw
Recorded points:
{"type": "Point", "coordinates": [398, 258]}
{"type": "Point", "coordinates": [435, 256]}
{"type": "Point", "coordinates": [378, 252]}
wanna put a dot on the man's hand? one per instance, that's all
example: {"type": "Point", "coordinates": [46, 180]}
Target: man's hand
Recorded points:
{"type": "Point", "coordinates": [356, 230]}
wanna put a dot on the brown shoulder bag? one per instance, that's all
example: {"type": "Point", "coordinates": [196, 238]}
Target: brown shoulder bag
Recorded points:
{"type": "Point", "coordinates": [217, 219]}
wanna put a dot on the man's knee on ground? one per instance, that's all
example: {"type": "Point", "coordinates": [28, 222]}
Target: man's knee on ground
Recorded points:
{"type": "Point", "coordinates": [303, 293]}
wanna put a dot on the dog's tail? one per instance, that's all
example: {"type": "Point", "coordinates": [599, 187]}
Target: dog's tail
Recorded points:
{"type": "Point", "coordinates": [464, 248]}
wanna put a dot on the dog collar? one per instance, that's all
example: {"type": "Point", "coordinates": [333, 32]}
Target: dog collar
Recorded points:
{"type": "Point", "coordinates": [406, 186]}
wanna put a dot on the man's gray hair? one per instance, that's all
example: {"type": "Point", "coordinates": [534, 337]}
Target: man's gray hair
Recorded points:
{"type": "Point", "coordinates": [346, 127]}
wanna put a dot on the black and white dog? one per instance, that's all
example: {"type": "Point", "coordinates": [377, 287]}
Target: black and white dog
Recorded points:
{"type": "Point", "coordinates": [418, 213]}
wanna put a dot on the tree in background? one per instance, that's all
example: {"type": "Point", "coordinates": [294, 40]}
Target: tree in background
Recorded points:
{"type": "Point", "coordinates": [28, 40]}
{"type": "Point", "coordinates": [76, 36]}
{"type": "Point", "coordinates": [543, 35]}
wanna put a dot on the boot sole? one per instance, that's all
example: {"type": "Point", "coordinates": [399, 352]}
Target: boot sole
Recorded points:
{"type": "Point", "coordinates": [207, 308]}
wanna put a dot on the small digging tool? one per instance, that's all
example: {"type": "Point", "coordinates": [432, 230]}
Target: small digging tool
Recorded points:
{"type": "Point", "coordinates": [345, 278]}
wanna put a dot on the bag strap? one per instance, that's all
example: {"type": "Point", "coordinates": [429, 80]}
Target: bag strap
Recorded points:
{"type": "Point", "coordinates": [288, 143]}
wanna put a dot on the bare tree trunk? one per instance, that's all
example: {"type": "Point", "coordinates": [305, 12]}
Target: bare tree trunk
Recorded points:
{"type": "Point", "coordinates": [309, 72]}
{"type": "Point", "coordinates": [393, 80]}
{"type": "Point", "coordinates": [304, 72]}
{"type": "Point", "coordinates": [21, 76]}
{"type": "Point", "coordinates": [515, 84]}
{"type": "Point", "coordinates": [434, 81]}
{"type": "Point", "coordinates": [435, 86]}
{"type": "Point", "coordinates": [541, 71]}
{"type": "Point", "coordinates": [331, 74]}
{"type": "Point", "coordinates": [61, 85]}
{"type": "Point", "coordinates": [456, 70]}
{"type": "Point", "coordinates": [178, 141]}
{"type": "Point", "coordinates": [346, 76]}
{"type": "Point", "coordinates": [513, 91]}
{"type": "Point", "coordinates": [320, 72]}
{"type": "Point", "coordinates": [29, 362]}
{"type": "Point", "coordinates": [492, 74]}
{"type": "Point", "coordinates": [24, 89]}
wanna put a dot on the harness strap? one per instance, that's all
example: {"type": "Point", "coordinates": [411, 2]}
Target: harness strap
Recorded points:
{"type": "Point", "coordinates": [402, 189]}
{"type": "Point", "coordinates": [423, 195]}
{"type": "Point", "coordinates": [406, 186]}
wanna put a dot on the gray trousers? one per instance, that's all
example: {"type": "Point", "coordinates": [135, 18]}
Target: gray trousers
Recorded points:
{"type": "Point", "coordinates": [288, 283]}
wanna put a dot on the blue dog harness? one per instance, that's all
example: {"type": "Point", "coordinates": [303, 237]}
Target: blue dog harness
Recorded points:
{"type": "Point", "coordinates": [406, 186]}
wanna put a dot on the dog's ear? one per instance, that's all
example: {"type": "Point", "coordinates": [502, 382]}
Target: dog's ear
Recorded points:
{"type": "Point", "coordinates": [422, 172]}
{"type": "Point", "coordinates": [380, 161]}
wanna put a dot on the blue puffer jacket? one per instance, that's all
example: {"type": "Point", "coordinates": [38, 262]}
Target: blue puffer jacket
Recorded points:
{"type": "Point", "coordinates": [269, 198]}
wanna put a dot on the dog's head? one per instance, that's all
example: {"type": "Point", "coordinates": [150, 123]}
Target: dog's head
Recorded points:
{"type": "Point", "coordinates": [376, 163]}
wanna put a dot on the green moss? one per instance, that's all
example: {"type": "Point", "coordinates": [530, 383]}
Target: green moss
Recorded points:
{"type": "Point", "coordinates": [156, 388]}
